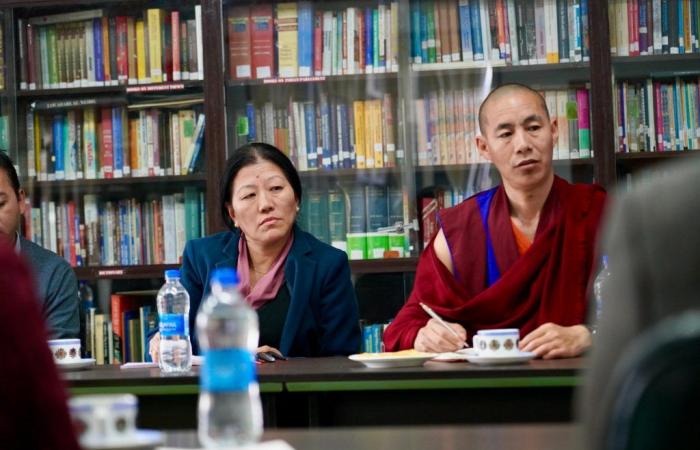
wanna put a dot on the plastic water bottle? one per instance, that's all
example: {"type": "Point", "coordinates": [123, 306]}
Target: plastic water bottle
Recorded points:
{"type": "Point", "coordinates": [175, 351]}
{"type": "Point", "coordinates": [599, 289]}
{"type": "Point", "coordinates": [230, 413]}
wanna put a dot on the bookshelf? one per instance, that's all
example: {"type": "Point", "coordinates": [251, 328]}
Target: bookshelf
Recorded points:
{"type": "Point", "coordinates": [296, 96]}
{"type": "Point", "coordinates": [109, 130]}
{"type": "Point", "coordinates": [655, 70]}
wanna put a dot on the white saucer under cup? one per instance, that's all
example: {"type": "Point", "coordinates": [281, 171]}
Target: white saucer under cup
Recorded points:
{"type": "Point", "coordinates": [519, 358]}
{"type": "Point", "coordinates": [79, 364]}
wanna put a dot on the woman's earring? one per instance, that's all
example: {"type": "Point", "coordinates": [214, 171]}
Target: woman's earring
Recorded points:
{"type": "Point", "coordinates": [297, 208]}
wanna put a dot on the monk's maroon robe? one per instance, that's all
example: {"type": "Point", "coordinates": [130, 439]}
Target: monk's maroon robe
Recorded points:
{"type": "Point", "coordinates": [492, 285]}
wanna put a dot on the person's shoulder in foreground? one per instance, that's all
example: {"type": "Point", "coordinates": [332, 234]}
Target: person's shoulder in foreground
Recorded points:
{"type": "Point", "coordinates": [33, 411]}
{"type": "Point", "coordinates": [653, 249]}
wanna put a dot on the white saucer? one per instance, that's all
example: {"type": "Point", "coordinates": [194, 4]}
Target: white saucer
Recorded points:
{"type": "Point", "coordinates": [77, 365]}
{"type": "Point", "coordinates": [142, 439]}
{"type": "Point", "coordinates": [377, 362]}
{"type": "Point", "coordinates": [515, 359]}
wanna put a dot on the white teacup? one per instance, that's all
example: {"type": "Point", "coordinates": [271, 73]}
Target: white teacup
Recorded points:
{"type": "Point", "coordinates": [102, 419]}
{"type": "Point", "coordinates": [65, 350]}
{"type": "Point", "coordinates": [497, 342]}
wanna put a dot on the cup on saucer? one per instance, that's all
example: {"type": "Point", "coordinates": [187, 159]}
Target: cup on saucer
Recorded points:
{"type": "Point", "coordinates": [65, 350]}
{"type": "Point", "coordinates": [501, 342]}
{"type": "Point", "coordinates": [101, 420]}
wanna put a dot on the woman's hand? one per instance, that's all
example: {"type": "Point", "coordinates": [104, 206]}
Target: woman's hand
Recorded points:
{"type": "Point", "coordinates": [551, 341]}
{"type": "Point", "coordinates": [153, 346]}
{"type": "Point", "coordinates": [267, 349]}
{"type": "Point", "coordinates": [434, 338]}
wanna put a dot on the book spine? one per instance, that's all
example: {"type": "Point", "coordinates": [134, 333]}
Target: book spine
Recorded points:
{"type": "Point", "coordinates": [98, 52]}
{"type": "Point", "coordinates": [563, 30]}
{"type": "Point", "coordinates": [107, 150]}
{"type": "Point", "coordinates": [113, 56]}
{"type": "Point", "coordinates": [155, 44]}
{"type": "Point", "coordinates": [584, 128]}
{"type": "Point", "coordinates": [262, 41]}
{"type": "Point", "coordinates": [31, 147]}
{"type": "Point", "coordinates": [199, 41]}
{"type": "Point", "coordinates": [477, 41]}
{"type": "Point", "coordinates": [318, 43]}
{"type": "Point", "coordinates": [239, 42]}
{"type": "Point", "coordinates": [305, 38]}
{"type": "Point", "coordinates": [117, 142]}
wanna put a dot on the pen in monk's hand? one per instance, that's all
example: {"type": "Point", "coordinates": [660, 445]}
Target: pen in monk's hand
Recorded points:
{"type": "Point", "coordinates": [434, 315]}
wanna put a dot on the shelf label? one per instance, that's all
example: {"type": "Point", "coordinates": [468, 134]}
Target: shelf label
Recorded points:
{"type": "Point", "coordinates": [156, 87]}
{"type": "Point", "coordinates": [110, 272]}
{"type": "Point", "coordinates": [293, 80]}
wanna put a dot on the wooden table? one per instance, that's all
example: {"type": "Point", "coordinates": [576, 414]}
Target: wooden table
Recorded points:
{"type": "Point", "coordinates": [473, 437]}
{"type": "Point", "coordinates": [339, 392]}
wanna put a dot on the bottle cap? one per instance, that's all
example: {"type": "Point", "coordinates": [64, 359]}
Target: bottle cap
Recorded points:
{"type": "Point", "coordinates": [605, 261]}
{"type": "Point", "coordinates": [172, 274]}
{"type": "Point", "coordinates": [225, 276]}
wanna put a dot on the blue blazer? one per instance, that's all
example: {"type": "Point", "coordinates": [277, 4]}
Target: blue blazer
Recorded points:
{"type": "Point", "coordinates": [323, 317]}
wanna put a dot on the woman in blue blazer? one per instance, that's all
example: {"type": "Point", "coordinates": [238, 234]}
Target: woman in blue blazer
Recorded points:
{"type": "Point", "coordinates": [300, 286]}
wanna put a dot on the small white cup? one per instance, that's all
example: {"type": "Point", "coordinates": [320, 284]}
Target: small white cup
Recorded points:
{"type": "Point", "coordinates": [65, 350]}
{"type": "Point", "coordinates": [497, 342]}
{"type": "Point", "coordinates": [103, 419]}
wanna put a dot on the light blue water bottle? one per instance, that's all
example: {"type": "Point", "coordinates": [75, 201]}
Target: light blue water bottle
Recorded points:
{"type": "Point", "coordinates": [175, 350]}
{"type": "Point", "coordinates": [230, 412]}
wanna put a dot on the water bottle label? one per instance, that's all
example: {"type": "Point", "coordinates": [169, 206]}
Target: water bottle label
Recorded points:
{"type": "Point", "coordinates": [227, 370]}
{"type": "Point", "coordinates": [173, 325]}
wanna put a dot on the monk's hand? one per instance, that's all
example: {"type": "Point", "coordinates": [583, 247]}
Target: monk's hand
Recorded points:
{"type": "Point", "coordinates": [435, 338]}
{"type": "Point", "coordinates": [551, 341]}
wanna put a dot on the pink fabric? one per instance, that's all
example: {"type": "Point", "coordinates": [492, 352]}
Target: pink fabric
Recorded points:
{"type": "Point", "coordinates": [266, 288]}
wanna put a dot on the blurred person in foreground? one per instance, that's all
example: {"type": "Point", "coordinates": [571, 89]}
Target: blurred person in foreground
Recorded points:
{"type": "Point", "coordinates": [519, 255]}
{"type": "Point", "coordinates": [299, 286]}
{"type": "Point", "coordinates": [653, 247]}
{"type": "Point", "coordinates": [56, 284]}
{"type": "Point", "coordinates": [33, 409]}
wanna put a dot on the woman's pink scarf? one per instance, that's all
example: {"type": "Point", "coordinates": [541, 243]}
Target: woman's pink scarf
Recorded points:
{"type": "Point", "coordinates": [267, 287]}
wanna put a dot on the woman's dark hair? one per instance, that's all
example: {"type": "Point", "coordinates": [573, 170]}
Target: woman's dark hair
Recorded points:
{"type": "Point", "coordinates": [8, 167]}
{"type": "Point", "coordinates": [248, 155]}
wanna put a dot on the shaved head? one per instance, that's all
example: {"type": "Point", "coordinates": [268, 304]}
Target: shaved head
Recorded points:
{"type": "Point", "coordinates": [504, 91]}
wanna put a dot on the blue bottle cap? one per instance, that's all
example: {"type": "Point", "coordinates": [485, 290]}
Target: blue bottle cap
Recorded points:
{"type": "Point", "coordinates": [605, 261]}
{"type": "Point", "coordinates": [171, 274]}
{"type": "Point", "coordinates": [225, 276]}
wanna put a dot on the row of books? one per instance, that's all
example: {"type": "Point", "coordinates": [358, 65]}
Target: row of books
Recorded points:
{"type": "Point", "coordinates": [658, 115]}
{"type": "Point", "coordinates": [364, 221]}
{"type": "Point", "coordinates": [94, 48]}
{"type": "Point", "coordinates": [330, 133]}
{"type": "Point", "coordinates": [121, 335]}
{"type": "Point", "coordinates": [123, 232]}
{"type": "Point", "coordinates": [652, 27]}
{"type": "Point", "coordinates": [112, 141]}
{"type": "Point", "coordinates": [300, 39]}
{"type": "Point", "coordinates": [499, 31]}
{"type": "Point", "coordinates": [447, 123]}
